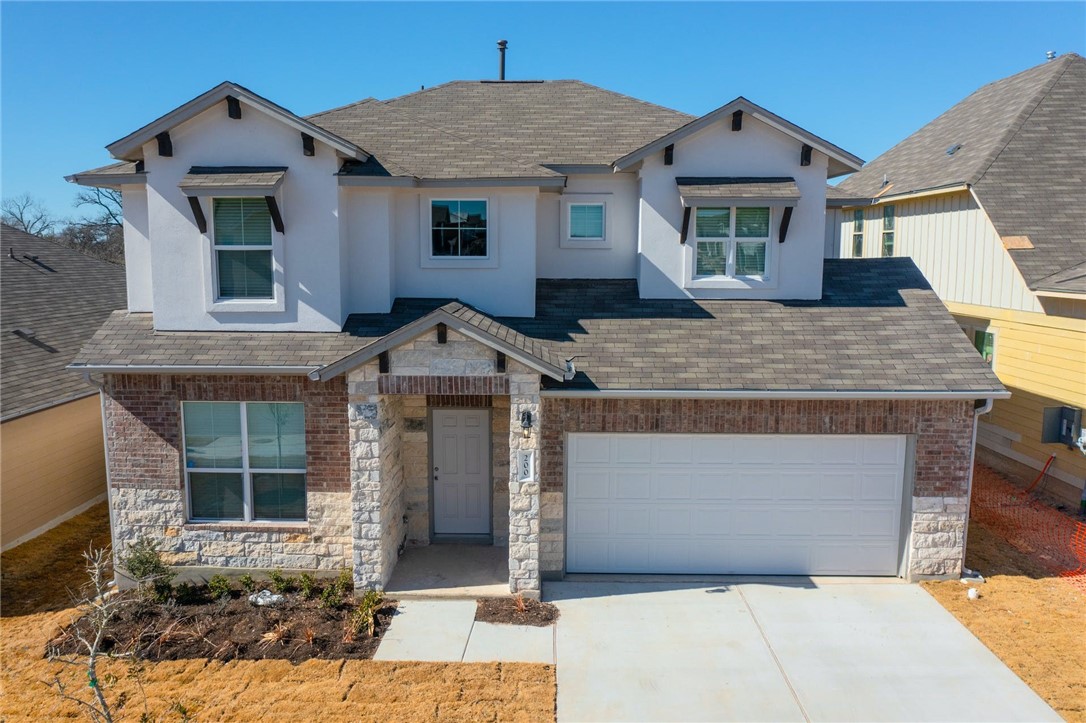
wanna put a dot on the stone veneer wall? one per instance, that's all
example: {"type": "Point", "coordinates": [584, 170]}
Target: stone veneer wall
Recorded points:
{"type": "Point", "coordinates": [143, 440]}
{"type": "Point", "coordinates": [942, 431]}
{"type": "Point", "coordinates": [524, 497]}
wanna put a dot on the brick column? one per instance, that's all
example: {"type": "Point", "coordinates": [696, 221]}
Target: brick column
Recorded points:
{"type": "Point", "coordinates": [524, 494]}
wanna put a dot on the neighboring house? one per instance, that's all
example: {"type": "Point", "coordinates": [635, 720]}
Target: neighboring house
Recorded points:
{"type": "Point", "coordinates": [989, 200]}
{"type": "Point", "coordinates": [534, 314]}
{"type": "Point", "coordinates": [52, 300]}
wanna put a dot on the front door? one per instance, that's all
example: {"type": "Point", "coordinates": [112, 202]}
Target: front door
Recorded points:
{"type": "Point", "coordinates": [461, 444]}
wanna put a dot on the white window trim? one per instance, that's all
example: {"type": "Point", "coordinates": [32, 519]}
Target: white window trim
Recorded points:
{"type": "Point", "coordinates": [768, 280]}
{"type": "Point", "coordinates": [883, 231]}
{"type": "Point", "coordinates": [853, 233]}
{"type": "Point", "coordinates": [246, 472]}
{"type": "Point", "coordinates": [212, 302]}
{"type": "Point", "coordinates": [566, 240]}
{"type": "Point", "coordinates": [429, 261]}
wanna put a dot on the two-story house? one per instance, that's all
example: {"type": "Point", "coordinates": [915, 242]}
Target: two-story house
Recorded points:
{"type": "Point", "coordinates": [989, 200]}
{"type": "Point", "coordinates": [539, 315]}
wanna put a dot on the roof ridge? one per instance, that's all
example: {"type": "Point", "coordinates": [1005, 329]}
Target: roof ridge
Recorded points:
{"type": "Point", "coordinates": [424, 90]}
{"type": "Point", "coordinates": [467, 139]}
{"type": "Point", "coordinates": [1028, 108]}
{"type": "Point", "coordinates": [628, 97]}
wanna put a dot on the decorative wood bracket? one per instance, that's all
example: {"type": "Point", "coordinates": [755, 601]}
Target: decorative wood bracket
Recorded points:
{"type": "Point", "coordinates": [686, 225]}
{"type": "Point", "coordinates": [198, 213]}
{"type": "Point", "coordinates": [165, 145]}
{"type": "Point", "coordinates": [442, 334]}
{"type": "Point", "coordinates": [233, 107]}
{"type": "Point", "coordinates": [499, 365]}
{"type": "Point", "coordinates": [805, 155]}
{"type": "Point", "coordinates": [307, 145]}
{"type": "Point", "coordinates": [139, 166]}
{"type": "Point", "coordinates": [273, 209]}
{"type": "Point", "coordinates": [382, 362]}
{"type": "Point", "coordinates": [737, 120]}
{"type": "Point", "coordinates": [669, 154]}
{"type": "Point", "coordinates": [785, 220]}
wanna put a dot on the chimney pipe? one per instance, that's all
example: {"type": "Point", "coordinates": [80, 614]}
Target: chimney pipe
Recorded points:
{"type": "Point", "coordinates": [501, 58]}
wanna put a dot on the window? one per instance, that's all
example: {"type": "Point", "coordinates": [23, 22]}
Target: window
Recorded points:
{"type": "Point", "coordinates": [984, 341]}
{"type": "Point", "coordinates": [243, 248]}
{"type": "Point", "coordinates": [858, 233]}
{"type": "Point", "coordinates": [888, 231]}
{"type": "Point", "coordinates": [586, 221]}
{"type": "Point", "coordinates": [245, 460]}
{"type": "Point", "coordinates": [458, 229]}
{"type": "Point", "coordinates": [731, 241]}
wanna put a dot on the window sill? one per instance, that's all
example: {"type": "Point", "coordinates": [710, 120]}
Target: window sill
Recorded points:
{"type": "Point", "coordinates": [246, 526]}
{"type": "Point", "coordinates": [246, 305]}
{"type": "Point", "coordinates": [459, 262]}
{"type": "Point", "coordinates": [731, 283]}
{"type": "Point", "coordinates": [585, 243]}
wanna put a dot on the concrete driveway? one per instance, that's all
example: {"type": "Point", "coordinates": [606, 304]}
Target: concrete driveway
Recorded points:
{"type": "Point", "coordinates": [759, 651]}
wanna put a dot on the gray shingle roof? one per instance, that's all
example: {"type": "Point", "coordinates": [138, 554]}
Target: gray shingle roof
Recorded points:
{"type": "Point", "coordinates": [62, 298]}
{"type": "Point", "coordinates": [738, 187]}
{"type": "Point", "coordinates": [554, 122]}
{"type": "Point", "coordinates": [1023, 148]}
{"type": "Point", "coordinates": [878, 328]}
{"type": "Point", "coordinates": [211, 177]}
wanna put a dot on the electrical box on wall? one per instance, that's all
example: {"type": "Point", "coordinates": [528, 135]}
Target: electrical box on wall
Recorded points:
{"type": "Point", "coordinates": [1062, 425]}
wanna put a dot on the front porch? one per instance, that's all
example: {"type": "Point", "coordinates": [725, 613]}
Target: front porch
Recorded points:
{"type": "Point", "coordinates": [451, 571]}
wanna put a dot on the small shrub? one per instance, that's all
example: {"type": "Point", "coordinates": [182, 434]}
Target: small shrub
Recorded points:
{"type": "Point", "coordinates": [331, 598]}
{"type": "Point", "coordinates": [281, 584]}
{"type": "Point", "coordinates": [144, 563]}
{"type": "Point", "coordinates": [345, 581]}
{"type": "Point", "coordinates": [248, 584]}
{"type": "Point", "coordinates": [310, 635]}
{"type": "Point", "coordinates": [364, 617]}
{"type": "Point", "coordinates": [307, 585]}
{"type": "Point", "coordinates": [185, 593]}
{"type": "Point", "coordinates": [219, 587]}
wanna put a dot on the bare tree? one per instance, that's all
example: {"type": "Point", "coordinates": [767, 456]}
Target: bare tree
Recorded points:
{"type": "Point", "coordinates": [106, 200]}
{"type": "Point", "coordinates": [27, 213]}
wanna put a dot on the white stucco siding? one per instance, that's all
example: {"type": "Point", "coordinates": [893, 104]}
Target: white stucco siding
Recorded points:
{"type": "Point", "coordinates": [617, 257]}
{"type": "Point", "coordinates": [756, 150]}
{"type": "Point", "coordinates": [503, 284]}
{"type": "Point", "coordinates": [309, 295]}
{"type": "Point", "coordinates": [137, 248]}
{"type": "Point", "coordinates": [368, 219]}
{"type": "Point", "coordinates": [954, 244]}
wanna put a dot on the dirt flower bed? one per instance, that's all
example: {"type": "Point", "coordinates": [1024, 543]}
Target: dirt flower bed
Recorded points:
{"type": "Point", "coordinates": [232, 628]}
{"type": "Point", "coordinates": [515, 611]}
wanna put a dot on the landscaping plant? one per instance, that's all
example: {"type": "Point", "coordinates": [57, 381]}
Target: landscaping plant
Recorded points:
{"type": "Point", "coordinates": [281, 584]}
{"type": "Point", "coordinates": [248, 584]}
{"type": "Point", "coordinates": [144, 563]}
{"type": "Point", "coordinates": [307, 585]}
{"type": "Point", "coordinates": [219, 587]}
{"type": "Point", "coordinates": [364, 617]}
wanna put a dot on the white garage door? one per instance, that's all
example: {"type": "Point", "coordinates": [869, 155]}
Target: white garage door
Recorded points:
{"type": "Point", "coordinates": [734, 504]}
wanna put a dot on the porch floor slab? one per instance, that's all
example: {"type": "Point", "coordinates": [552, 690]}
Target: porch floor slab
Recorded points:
{"type": "Point", "coordinates": [451, 571]}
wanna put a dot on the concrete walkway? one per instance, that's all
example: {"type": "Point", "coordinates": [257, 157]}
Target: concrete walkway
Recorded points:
{"type": "Point", "coordinates": [754, 651]}
{"type": "Point", "coordinates": [467, 572]}
{"type": "Point", "coordinates": [446, 631]}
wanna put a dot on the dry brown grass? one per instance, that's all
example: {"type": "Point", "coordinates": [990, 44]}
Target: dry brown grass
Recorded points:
{"type": "Point", "coordinates": [1031, 620]}
{"type": "Point", "coordinates": [37, 576]}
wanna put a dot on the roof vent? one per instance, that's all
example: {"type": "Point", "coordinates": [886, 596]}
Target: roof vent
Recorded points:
{"type": "Point", "coordinates": [1050, 55]}
{"type": "Point", "coordinates": [24, 333]}
{"type": "Point", "coordinates": [953, 149]}
{"type": "Point", "coordinates": [502, 44]}
{"type": "Point", "coordinates": [885, 179]}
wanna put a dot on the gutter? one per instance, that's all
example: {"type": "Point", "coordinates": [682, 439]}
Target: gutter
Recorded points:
{"type": "Point", "coordinates": [190, 369]}
{"type": "Point", "coordinates": [767, 394]}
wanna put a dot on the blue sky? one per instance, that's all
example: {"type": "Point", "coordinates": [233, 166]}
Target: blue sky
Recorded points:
{"type": "Point", "coordinates": [76, 76]}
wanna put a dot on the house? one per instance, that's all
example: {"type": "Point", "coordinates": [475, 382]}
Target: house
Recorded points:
{"type": "Point", "coordinates": [52, 300]}
{"type": "Point", "coordinates": [539, 315]}
{"type": "Point", "coordinates": [989, 200]}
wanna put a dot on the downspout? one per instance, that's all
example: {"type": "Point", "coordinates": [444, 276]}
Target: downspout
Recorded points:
{"type": "Point", "coordinates": [109, 482]}
{"type": "Point", "coordinates": [984, 408]}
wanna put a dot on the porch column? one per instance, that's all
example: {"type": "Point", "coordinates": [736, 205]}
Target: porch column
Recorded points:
{"type": "Point", "coordinates": [524, 482]}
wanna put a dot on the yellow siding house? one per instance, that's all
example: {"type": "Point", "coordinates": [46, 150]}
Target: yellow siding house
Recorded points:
{"type": "Point", "coordinates": [989, 200]}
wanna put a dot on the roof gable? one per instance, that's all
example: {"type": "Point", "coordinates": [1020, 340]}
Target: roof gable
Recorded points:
{"type": "Point", "coordinates": [841, 161]}
{"type": "Point", "coordinates": [130, 148]}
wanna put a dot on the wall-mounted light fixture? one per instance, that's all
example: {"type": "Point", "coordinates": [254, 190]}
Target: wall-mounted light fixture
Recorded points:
{"type": "Point", "coordinates": [526, 423]}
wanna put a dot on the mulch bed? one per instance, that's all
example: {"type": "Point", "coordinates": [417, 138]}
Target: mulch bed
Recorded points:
{"type": "Point", "coordinates": [296, 630]}
{"type": "Point", "coordinates": [505, 610]}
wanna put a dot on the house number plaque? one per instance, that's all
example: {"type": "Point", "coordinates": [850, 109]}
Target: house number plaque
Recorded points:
{"type": "Point", "coordinates": [525, 465]}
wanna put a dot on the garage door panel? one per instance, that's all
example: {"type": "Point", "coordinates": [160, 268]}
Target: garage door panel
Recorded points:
{"type": "Point", "coordinates": [744, 504]}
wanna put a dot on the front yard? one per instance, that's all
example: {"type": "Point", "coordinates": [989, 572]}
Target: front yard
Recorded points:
{"type": "Point", "coordinates": [34, 605]}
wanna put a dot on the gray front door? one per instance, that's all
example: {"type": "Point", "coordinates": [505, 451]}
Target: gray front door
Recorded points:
{"type": "Point", "coordinates": [461, 439]}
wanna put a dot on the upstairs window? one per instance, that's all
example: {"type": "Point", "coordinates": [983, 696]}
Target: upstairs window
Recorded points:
{"type": "Point", "coordinates": [984, 341]}
{"type": "Point", "coordinates": [858, 233]}
{"type": "Point", "coordinates": [245, 461]}
{"type": "Point", "coordinates": [888, 231]}
{"type": "Point", "coordinates": [731, 241]}
{"type": "Point", "coordinates": [586, 221]}
{"type": "Point", "coordinates": [243, 248]}
{"type": "Point", "coordinates": [458, 228]}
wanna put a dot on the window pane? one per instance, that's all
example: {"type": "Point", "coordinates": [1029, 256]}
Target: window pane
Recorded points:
{"type": "Point", "coordinates": [276, 435]}
{"type": "Point", "coordinates": [712, 222]}
{"type": "Point", "coordinates": [857, 245]}
{"type": "Point", "coordinates": [212, 434]}
{"type": "Point", "coordinates": [586, 220]}
{"type": "Point", "coordinates": [752, 222]}
{"type": "Point", "coordinates": [712, 258]}
{"type": "Point", "coordinates": [473, 242]}
{"type": "Point", "coordinates": [245, 274]}
{"type": "Point", "coordinates": [445, 242]}
{"type": "Point", "coordinates": [888, 243]}
{"type": "Point", "coordinates": [984, 341]}
{"type": "Point", "coordinates": [473, 213]}
{"type": "Point", "coordinates": [442, 213]}
{"type": "Point", "coordinates": [888, 218]}
{"type": "Point", "coordinates": [858, 220]}
{"type": "Point", "coordinates": [215, 496]}
{"type": "Point", "coordinates": [749, 258]}
{"type": "Point", "coordinates": [242, 222]}
{"type": "Point", "coordinates": [278, 496]}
